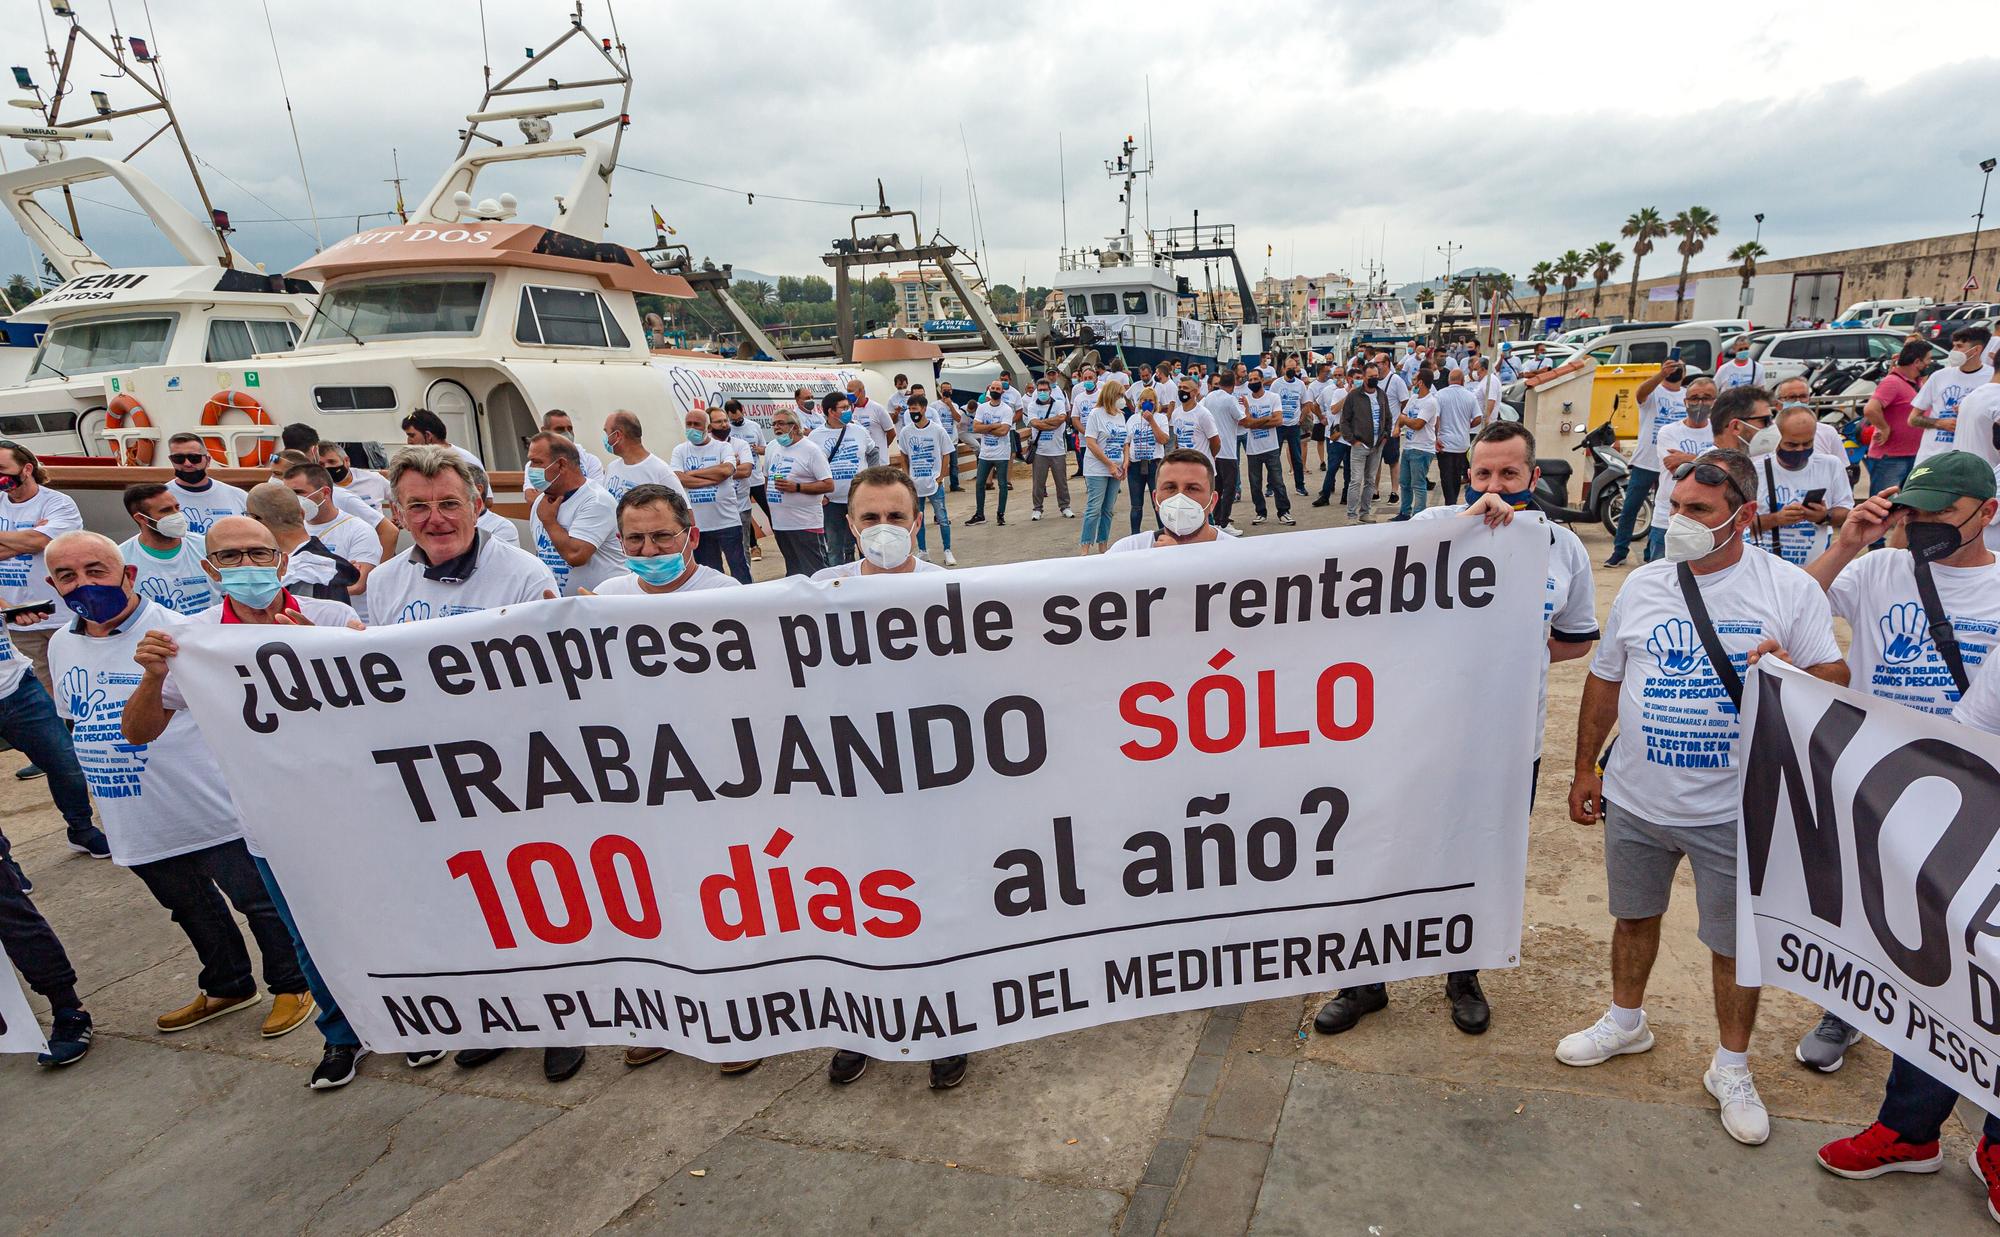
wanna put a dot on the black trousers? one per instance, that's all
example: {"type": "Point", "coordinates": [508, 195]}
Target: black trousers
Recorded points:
{"type": "Point", "coordinates": [192, 887]}
{"type": "Point", "coordinates": [804, 550]}
{"type": "Point", "coordinates": [1452, 469]}
{"type": "Point", "coordinates": [32, 945]}
{"type": "Point", "coordinates": [1225, 490]}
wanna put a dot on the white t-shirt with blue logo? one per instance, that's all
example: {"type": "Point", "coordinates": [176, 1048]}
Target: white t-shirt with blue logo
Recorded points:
{"type": "Point", "coordinates": [717, 506]}
{"type": "Point", "coordinates": [801, 462]}
{"type": "Point", "coordinates": [1291, 393]}
{"type": "Point", "coordinates": [1108, 432]}
{"type": "Point", "coordinates": [926, 448]}
{"type": "Point", "coordinates": [1673, 763]}
{"type": "Point", "coordinates": [505, 575]}
{"type": "Point", "coordinates": [588, 513]}
{"type": "Point", "coordinates": [1661, 408]}
{"type": "Point", "coordinates": [620, 477]}
{"type": "Point", "coordinates": [176, 582]}
{"type": "Point", "coordinates": [24, 578]}
{"type": "Point", "coordinates": [1892, 654]}
{"type": "Point", "coordinates": [1804, 541]}
{"type": "Point", "coordinates": [846, 454]}
{"type": "Point", "coordinates": [204, 507]}
{"type": "Point", "coordinates": [1262, 441]}
{"type": "Point", "coordinates": [1940, 398]}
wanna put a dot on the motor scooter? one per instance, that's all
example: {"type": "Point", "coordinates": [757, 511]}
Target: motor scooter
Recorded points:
{"type": "Point", "coordinates": [1602, 497]}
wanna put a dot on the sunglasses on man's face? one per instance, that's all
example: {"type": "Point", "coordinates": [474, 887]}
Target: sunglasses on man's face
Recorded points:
{"type": "Point", "coordinates": [189, 459]}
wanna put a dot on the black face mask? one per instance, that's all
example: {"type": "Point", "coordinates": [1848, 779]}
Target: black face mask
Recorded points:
{"type": "Point", "coordinates": [1933, 541]}
{"type": "Point", "coordinates": [1794, 460]}
{"type": "Point", "coordinates": [339, 475]}
{"type": "Point", "coordinates": [191, 476]}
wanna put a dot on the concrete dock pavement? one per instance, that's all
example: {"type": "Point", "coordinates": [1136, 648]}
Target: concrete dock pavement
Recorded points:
{"type": "Point", "coordinates": [1227, 1121]}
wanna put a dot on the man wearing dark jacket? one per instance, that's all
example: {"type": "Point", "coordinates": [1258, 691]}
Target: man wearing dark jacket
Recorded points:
{"type": "Point", "coordinates": [1364, 419]}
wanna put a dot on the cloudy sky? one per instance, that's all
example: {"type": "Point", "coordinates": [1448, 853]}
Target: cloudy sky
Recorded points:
{"type": "Point", "coordinates": [1333, 132]}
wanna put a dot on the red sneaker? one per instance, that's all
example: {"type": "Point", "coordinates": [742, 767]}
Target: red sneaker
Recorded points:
{"type": "Point", "coordinates": [1879, 1149]}
{"type": "Point", "coordinates": [1986, 1167]}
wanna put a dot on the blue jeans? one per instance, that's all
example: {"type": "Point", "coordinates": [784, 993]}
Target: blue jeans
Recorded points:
{"type": "Point", "coordinates": [1656, 544]}
{"type": "Point", "coordinates": [1336, 463]}
{"type": "Point", "coordinates": [28, 721]}
{"type": "Point", "coordinates": [943, 518]}
{"type": "Point", "coordinates": [722, 550]}
{"type": "Point", "coordinates": [839, 537]}
{"type": "Point", "coordinates": [331, 1022]}
{"type": "Point", "coordinates": [1915, 1105]}
{"type": "Point", "coordinates": [1414, 479]}
{"type": "Point", "coordinates": [1100, 501]}
{"type": "Point", "coordinates": [1887, 470]}
{"type": "Point", "coordinates": [1139, 486]}
{"type": "Point", "coordinates": [1638, 483]}
{"type": "Point", "coordinates": [988, 468]}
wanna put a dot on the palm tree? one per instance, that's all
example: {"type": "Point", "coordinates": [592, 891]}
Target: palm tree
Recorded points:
{"type": "Point", "coordinates": [1745, 256]}
{"type": "Point", "coordinates": [1570, 267]}
{"type": "Point", "coordinates": [1605, 258]}
{"type": "Point", "coordinates": [1541, 277]}
{"type": "Point", "coordinates": [1694, 226]}
{"type": "Point", "coordinates": [1642, 228]}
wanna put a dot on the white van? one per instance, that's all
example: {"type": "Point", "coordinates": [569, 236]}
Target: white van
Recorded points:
{"type": "Point", "coordinates": [1867, 313]}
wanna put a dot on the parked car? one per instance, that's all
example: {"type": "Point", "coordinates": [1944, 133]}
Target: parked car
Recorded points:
{"type": "Point", "coordinates": [1939, 330]}
{"type": "Point", "coordinates": [1699, 346]}
{"type": "Point", "coordinates": [1863, 314]}
{"type": "Point", "coordinates": [1788, 354]}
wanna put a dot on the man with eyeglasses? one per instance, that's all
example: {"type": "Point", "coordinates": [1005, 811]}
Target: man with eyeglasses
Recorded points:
{"type": "Point", "coordinates": [1669, 785]}
{"type": "Point", "coordinates": [1794, 393]}
{"type": "Point", "coordinates": [797, 480]}
{"type": "Point", "coordinates": [202, 498]}
{"type": "Point", "coordinates": [454, 567]}
{"type": "Point", "coordinates": [656, 529]}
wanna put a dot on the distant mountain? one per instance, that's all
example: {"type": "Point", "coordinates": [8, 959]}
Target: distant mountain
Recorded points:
{"type": "Point", "coordinates": [743, 275]}
{"type": "Point", "coordinates": [1436, 283]}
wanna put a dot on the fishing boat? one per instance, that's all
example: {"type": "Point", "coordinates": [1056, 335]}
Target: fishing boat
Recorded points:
{"type": "Point", "coordinates": [485, 318]}
{"type": "Point", "coordinates": [69, 348]}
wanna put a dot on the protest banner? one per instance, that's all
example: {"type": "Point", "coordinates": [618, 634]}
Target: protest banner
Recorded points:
{"type": "Point", "coordinates": [915, 815]}
{"type": "Point", "coordinates": [1865, 870]}
{"type": "Point", "coordinates": [19, 1032]}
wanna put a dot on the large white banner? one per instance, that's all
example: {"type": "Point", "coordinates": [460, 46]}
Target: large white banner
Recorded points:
{"type": "Point", "coordinates": [915, 815]}
{"type": "Point", "coordinates": [1866, 871]}
{"type": "Point", "coordinates": [19, 1032]}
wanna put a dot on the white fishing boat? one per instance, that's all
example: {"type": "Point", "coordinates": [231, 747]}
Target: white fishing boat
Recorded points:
{"type": "Point", "coordinates": [484, 318]}
{"type": "Point", "coordinates": [104, 320]}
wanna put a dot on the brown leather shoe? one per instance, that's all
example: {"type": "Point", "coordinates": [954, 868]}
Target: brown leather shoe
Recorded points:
{"type": "Point", "coordinates": [289, 1010]}
{"type": "Point", "coordinates": [740, 1067]}
{"type": "Point", "coordinates": [635, 1057]}
{"type": "Point", "coordinates": [202, 1009]}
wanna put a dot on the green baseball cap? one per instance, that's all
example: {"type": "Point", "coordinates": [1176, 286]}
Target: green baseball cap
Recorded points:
{"type": "Point", "coordinates": [1945, 478]}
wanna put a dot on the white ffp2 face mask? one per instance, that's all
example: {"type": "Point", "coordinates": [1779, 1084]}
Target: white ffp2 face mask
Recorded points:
{"type": "Point", "coordinates": [1764, 442]}
{"type": "Point", "coordinates": [1182, 516]}
{"type": "Point", "coordinates": [1689, 539]}
{"type": "Point", "coordinates": [885, 545]}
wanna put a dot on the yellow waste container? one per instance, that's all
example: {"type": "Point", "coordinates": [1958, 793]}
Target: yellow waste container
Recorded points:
{"type": "Point", "coordinates": [1614, 396]}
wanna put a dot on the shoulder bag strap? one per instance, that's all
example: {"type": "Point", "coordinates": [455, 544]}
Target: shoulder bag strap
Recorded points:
{"type": "Point", "coordinates": [1771, 481]}
{"type": "Point", "coordinates": [1711, 641]}
{"type": "Point", "coordinates": [1942, 633]}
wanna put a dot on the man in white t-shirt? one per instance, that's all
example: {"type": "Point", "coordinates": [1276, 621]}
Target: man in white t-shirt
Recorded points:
{"type": "Point", "coordinates": [166, 808]}
{"type": "Point", "coordinates": [709, 464]}
{"type": "Point", "coordinates": [1738, 370]}
{"type": "Point", "coordinates": [1503, 476]}
{"type": "Point", "coordinates": [31, 516]}
{"type": "Point", "coordinates": [452, 566]}
{"type": "Point", "coordinates": [871, 416]}
{"type": "Point", "coordinates": [1802, 496]}
{"type": "Point", "coordinates": [1661, 402]}
{"type": "Point", "coordinates": [574, 520]}
{"type": "Point", "coordinates": [1291, 391]}
{"type": "Point", "coordinates": [1978, 420]}
{"type": "Point", "coordinates": [1669, 787]}
{"type": "Point", "coordinates": [1048, 417]}
{"type": "Point", "coordinates": [632, 464]}
{"type": "Point", "coordinates": [1677, 443]}
{"type": "Point", "coordinates": [797, 479]}
{"type": "Point", "coordinates": [656, 529]}
{"type": "Point", "coordinates": [1418, 425]}
{"type": "Point", "coordinates": [1794, 393]}
{"type": "Point", "coordinates": [806, 405]}
{"type": "Point", "coordinates": [748, 435]}
{"type": "Point", "coordinates": [164, 556]}
{"type": "Point", "coordinates": [424, 428]}
{"type": "Point", "coordinates": [849, 448]}
{"type": "Point", "coordinates": [926, 444]}
{"type": "Point", "coordinates": [1193, 427]}
{"type": "Point", "coordinates": [1935, 410]}
{"type": "Point", "coordinates": [1485, 388]}
{"type": "Point", "coordinates": [1263, 415]}
{"type": "Point", "coordinates": [204, 500]}
{"type": "Point", "coordinates": [346, 535]}
{"type": "Point", "coordinates": [556, 421]}
{"type": "Point", "coordinates": [1226, 408]}
{"type": "Point", "coordinates": [1183, 496]}
{"type": "Point", "coordinates": [1147, 438]}
{"type": "Point", "coordinates": [1457, 409]}
{"type": "Point", "coordinates": [993, 422]}
{"type": "Point", "coordinates": [364, 484]}
{"type": "Point", "coordinates": [1942, 509]}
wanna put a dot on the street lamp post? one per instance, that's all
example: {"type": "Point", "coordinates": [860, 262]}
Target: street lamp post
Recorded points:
{"type": "Point", "coordinates": [1986, 166]}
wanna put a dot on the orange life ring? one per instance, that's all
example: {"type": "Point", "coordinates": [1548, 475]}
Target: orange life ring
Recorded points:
{"type": "Point", "coordinates": [232, 400]}
{"type": "Point", "coordinates": [126, 411]}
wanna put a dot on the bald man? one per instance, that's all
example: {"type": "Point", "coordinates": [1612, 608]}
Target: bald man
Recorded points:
{"type": "Point", "coordinates": [166, 809]}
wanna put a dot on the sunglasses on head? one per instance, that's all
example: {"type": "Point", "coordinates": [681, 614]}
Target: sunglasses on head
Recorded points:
{"type": "Point", "coordinates": [1710, 474]}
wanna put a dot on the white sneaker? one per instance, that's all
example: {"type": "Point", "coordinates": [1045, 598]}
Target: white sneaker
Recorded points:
{"type": "Point", "coordinates": [1743, 1115]}
{"type": "Point", "coordinates": [1068, 514]}
{"type": "Point", "coordinates": [949, 561]}
{"type": "Point", "coordinates": [1232, 530]}
{"type": "Point", "coordinates": [1603, 1041]}
{"type": "Point", "coordinates": [1034, 515]}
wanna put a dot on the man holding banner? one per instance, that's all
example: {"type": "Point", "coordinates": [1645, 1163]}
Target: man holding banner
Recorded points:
{"type": "Point", "coordinates": [1668, 673]}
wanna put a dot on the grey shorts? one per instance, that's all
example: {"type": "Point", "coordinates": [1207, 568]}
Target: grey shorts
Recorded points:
{"type": "Point", "coordinates": [1640, 859]}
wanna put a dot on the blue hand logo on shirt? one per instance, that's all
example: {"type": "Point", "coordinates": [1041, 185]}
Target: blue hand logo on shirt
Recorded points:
{"type": "Point", "coordinates": [1904, 633]}
{"type": "Point", "coordinates": [415, 612]}
{"type": "Point", "coordinates": [1675, 647]}
{"type": "Point", "coordinates": [198, 520]}
{"type": "Point", "coordinates": [161, 590]}
{"type": "Point", "coordinates": [76, 690]}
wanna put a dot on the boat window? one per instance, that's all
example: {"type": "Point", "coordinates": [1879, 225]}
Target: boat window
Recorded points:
{"type": "Point", "coordinates": [1103, 302]}
{"type": "Point", "coordinates": [1135, 302]}
{"type": "Point", "coordinates": [566, 317]}
{"type": "Point", "coordinates": [101, 344]}
{"type": "Point", "coordinates": [1078, 307]}
{"type": "Point", "coordinates": [392, 308]}
{"type": "Point", "coordinates": [1160, 304]}
{"type": "Point", "coordinates": [354, 399]}
{"type": "Point", "coordinates": [237, 339]}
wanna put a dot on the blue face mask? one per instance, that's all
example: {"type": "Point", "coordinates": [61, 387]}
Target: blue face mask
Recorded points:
{"type": "Point", "coordinates": [846, 415]}
{"type": "Point", "coordinates": [252, 585]}
{"type": "Point", "coordinates": [608, 447]}
{"type": "Point", "coordinates": [659, 569]}
{"type": "Point", "coordinates": [697, 437]}
{"type": "Point", "coordinates": [96, 603]}
{"type": "Point", "coordinates": [1090, 385]}
{"type": "Point", "coordinates": [536, 478]}
{"type": "Point", "coordinates": [784, 440]}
